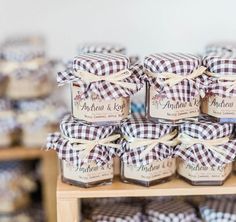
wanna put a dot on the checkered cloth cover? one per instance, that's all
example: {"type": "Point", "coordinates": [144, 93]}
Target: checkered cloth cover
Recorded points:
{"type": "Point", "coordinates": [8, 124]}
{"type": "Point", "coordinates": [170, 211]}
{"type": "Point", "coordinates": [101, 65]}
{"type": "Point", "coordinates": [117, 213]}
{"type": "Point", "coordinates": [70, 127]}
{"type": "Point", "coordinates": [223, 63]}
{"type": "Point", "coordinates": [198, 153]}
{"type": "Point", "coordinates": [101, 48]}
{"type": "Point", "coordinates": [134, 59]}
{"type": "Point", "coordinates": [140, 128]}
{"type": "Point", "coordinates": [179, 64]}
{"type": "Point", "coordinates": [220, 47]}
{"type": "Point", "coordinates": [218, 211]}
{"type": "Point", "coordinates": [57, 110]}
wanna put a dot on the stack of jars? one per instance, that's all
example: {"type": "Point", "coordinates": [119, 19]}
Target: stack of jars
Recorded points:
{"type": "Point", "coordinates": [28, 86]}
{"type": "Point", "coordinates": [184, 119]}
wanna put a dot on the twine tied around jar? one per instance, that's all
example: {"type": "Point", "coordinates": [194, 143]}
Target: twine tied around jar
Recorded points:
{"type": "Point", "coordinates": [8, 67]}
{"type": "Point", "coordinates": [85, 146]}
{"type": "Point", "coordinates": [172, 79]}
{"type": "Point", "coordinates": [212, 145]}
{"type": "Point", "coordinates": [149, 144]}
{"type": "Point", "coordinates": [230, 80]}
{"type": "Point", "coordinates": [115, 78]}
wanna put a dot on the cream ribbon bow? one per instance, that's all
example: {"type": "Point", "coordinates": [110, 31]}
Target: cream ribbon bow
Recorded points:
{"type": "Point", "coordinates": [85, 146]}
{"type": "Point", "coordinates": [6, 114]}
{"type": "Point", "coordinates": [10, 66]}
{"type": "Point", "coordinates": [115, 78]}
{"type": "Point", "coordinates": [149, 144]}
{"type": "Point", "coordinates": [172, 79]}
{"type": "Point", "coordinates": [231, 80]}
{"type": "Point", "coordinates": [212, 145]}
{"type": "Point", "coordinates": [30, 116]}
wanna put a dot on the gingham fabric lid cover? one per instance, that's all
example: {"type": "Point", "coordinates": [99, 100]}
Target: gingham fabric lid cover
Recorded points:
{"type": "Point", "coordinates": [221, 47]}
{"type": "Point", "coordinates": [218, 210]}
{"type": "Point", "coordinates": [72, 128]}
{"type": "Point", "coordinates": [172, 210]}
{"type": "Point", "coordinates": [179, 64]}
{"type": "Point", "coordinates": [40, 112]}
{"type": "Point", "coordinates": [199, 153]}
{"type": "Point", "coordinates": [102, 65]}
{"type": "Point", "coordinates": [101, 48]}
{"type": "Point", "coordinates": [117, 213]}
{"type": "Point", "coordinates": [8, 123]}
{"type": "Point", "coordinates": [221, 63]}
{"type": "Point", "coordinates": [141, 128]}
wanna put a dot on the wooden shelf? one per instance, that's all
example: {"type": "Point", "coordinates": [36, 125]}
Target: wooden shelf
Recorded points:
{"type": "Point", "coordinates": [20, 153]}
{"type": "Point", "coordinates": [119, 189]}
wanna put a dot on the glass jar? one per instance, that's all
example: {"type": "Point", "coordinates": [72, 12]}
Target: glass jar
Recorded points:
{"type": "Point", "coordinates": [206, 152]}
{"type": "Point", "coordinates": [101, 86]}
{"type": "Point", "coordinates": [167, 99]}
{"type": "Point", "coordinates": [147, 152]}
{"type": "Point", "coordinates": [220, 103]}
{"type": "Point", "coordinates": [150, 174]}
{"type": "Point", "coordinates": [86, 152]}
{"type": "Point", "coordinates": [198, 175]}
{"type": "Point", "coordinates": [87, 175]}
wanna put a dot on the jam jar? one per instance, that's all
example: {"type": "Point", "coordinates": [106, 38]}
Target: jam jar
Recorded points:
{"type": "Point", "coordinates": [147, 152]}
{"type": "Point", "coordinates": [27, 69]}
{"type": "Point", "coordinates": [86, 152]}
{"type": "Point", "coordinates": [220, 101]}
{"type": "Point", "coordinates": [37, 118]}
{"type": "Point", "coordinates": [101, 86]}
{"type": "Point", "coordinates": [206, 152]}
{"type": "Point", "coordinates": [174, 87]}
{"type": "Point", "coordinates": [9, 131]}
{"type": "Point", "coordinates": [170, 210]}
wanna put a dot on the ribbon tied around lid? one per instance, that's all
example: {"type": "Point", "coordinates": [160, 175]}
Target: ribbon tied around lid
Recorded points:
{"type": "Point", "coordinates": [149, 144]}
{"type": "Point", "coordinates": [172, 79]}
{"type": "Point", "coordinates": [115, 78]}
{"type": "Point", "coordinates": [86, 146]}
{"type": "Point", "coordinates": [212, 145]}
{"type": "Point", "coordinates": [230, 80]}
{"type": "Point", "coordinates": [8, 67]}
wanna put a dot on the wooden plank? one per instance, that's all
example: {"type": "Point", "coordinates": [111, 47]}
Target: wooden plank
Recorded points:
{"type": "Point", "coordinates": [119, 189]}
{"type": "Point", "coordinates": [49, 171]}
{"type": "Point", "coordinates": [15, 153]}
{"type": "Point", "coordinates": [67, 210]}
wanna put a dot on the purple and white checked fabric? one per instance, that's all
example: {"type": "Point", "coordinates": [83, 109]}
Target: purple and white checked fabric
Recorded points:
{"type": "Point", "coordinates": [141, 128]}
{"type": "Point", "coordinates": [220, 47]}
{"type": "Point", "coordinates": [222, 63]}
{"type": "Point", "coordinates": [72, 128]}
{"type": "Point", "coordinates": [168, 211]}
{"type": "Point", "coordinates": [102, 65]}
{"type": "Point", "coordinates": [179, 64]}
{"type": "Point", "coordinates": [218, 211]}
{"type": "Point", "coordinates": [198, 153]}
{"type": "Point", "coordinates": [117, 212]}
{"type": "Point", "coordinates": [101, 48]}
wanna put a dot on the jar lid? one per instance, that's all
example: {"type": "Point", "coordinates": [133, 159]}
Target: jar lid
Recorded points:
{"type": "Point", "coordinates": [206, 143]}
{"type": "Point", "coordinates": [171, 210]}
{"type": "Point", "coordinates": [117, 212]}
{"type": "Point", "coordinates": [221, 47]}
{"type": "Point", "coordinates": [79, 143]}
{"type": "Point", "coordinates": [106, 75]}
{"type": "Point", "coordinates": [136, 132]}
{"type": "Point", "coordinates": [160, 66]}
{"type": "Point", "coordinates": [101, 48]}
{"type": "Point", "coordinates": [35, 114]}
{"type": "Point", "coordinates": [218, 210]}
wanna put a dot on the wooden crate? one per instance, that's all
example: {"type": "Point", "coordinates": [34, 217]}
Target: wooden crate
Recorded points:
{"type": "Point", "coordinates": [68, 196]}
{"type": "Point", "coordinates": [49, 173]}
